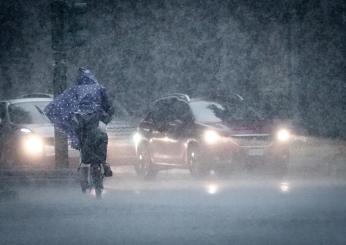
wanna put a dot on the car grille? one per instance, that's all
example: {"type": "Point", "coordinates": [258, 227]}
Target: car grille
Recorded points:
{"type": "Point", "coordinates": [252, 140]}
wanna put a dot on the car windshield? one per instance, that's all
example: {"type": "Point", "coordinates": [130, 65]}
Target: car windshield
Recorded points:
{"type": "Point", "coordinates": [28, 112]}
{"type": "Point", "coordinates": [203, 112]}
{"type": "Point", "coordinates": [213, 112]}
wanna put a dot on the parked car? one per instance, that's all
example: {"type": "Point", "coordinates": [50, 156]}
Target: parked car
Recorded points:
{"type": "Point", "coordinates": [202, 134]}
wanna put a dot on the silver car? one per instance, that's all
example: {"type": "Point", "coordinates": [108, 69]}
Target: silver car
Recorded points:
{"type": "Point", "coordinates": [27, 136]}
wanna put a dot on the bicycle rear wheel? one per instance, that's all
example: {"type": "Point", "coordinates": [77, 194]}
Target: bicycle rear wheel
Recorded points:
{"type": "Point", "coordinates": [97, 179]}
{"type": "Point", "coordinates": [84, 177]}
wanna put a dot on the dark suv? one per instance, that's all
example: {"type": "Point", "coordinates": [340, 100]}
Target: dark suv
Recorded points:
{"type": "Point", "coordinates": [204, 134]}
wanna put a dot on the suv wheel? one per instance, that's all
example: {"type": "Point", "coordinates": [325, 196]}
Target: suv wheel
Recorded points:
{"type": "Point", "coordinates": [144, 166]}
{"type": "Point", "coordinates": [197, 169]}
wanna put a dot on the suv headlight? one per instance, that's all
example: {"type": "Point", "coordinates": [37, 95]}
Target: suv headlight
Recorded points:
{"type": "Point", "coordinates": [25, 130]}
{"type": "Point", "coordinates": [137, 137]}
{"type": "Point", "coordinates": [33, 145]}
{"type": "Point", "coordinates": [283, 135]}
{"type": "Point", "coordinates": [211, 137]}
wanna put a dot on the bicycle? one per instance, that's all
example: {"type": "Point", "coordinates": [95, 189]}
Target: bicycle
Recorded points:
{"type": "Point", "coordinates": [91, 177]}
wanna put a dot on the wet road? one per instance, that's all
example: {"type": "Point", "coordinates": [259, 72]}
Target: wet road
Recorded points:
{"type": "Point", "coordinates": [175, 209]}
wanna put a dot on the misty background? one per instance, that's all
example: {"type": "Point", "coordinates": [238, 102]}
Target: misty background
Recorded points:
{"type": "Point", "coordinates": [288, 57]}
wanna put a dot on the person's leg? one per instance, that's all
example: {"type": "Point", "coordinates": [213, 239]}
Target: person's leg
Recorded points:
{"type": "Point", "coordinates": [102, 143]}
{"type": "Point", "coordinates": [89, 147]}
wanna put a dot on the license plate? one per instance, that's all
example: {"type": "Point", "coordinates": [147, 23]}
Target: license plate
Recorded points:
{"type": "Point", "coordinates": [256, 152]}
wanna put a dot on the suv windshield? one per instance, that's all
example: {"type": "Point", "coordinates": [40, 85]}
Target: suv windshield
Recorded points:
{"type": "Point", "coordinates": [213, 112]}
{"type": "Point", "coordinates": [28, 112]}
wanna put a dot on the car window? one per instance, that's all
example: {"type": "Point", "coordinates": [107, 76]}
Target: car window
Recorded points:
{"type": "Point", "coordinates": [160, 111]}
{"type": "Point", "coordinates": [28, 112]}
{"type": "Point", "coordinates": [213, 112]}
{"type": "Point", "coordinates": [180, 111]}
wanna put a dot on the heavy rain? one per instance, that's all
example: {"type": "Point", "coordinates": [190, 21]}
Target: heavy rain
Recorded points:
{"type": "Point", "coordinates": [172, 122]}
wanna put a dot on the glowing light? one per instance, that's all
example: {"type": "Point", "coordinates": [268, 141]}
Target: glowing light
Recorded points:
{"type": "Point", "coordinates": [284, 187]}
{"type": "Point", "coordinates": [211, 137]}
{"type": "Point", "coordinates": [167, 139]}
{"type": "Point", "coordinates": [33, 145]}
{"type": "Point", "coordinates": [283, 135]}
{"type": "Point", "coordinates": [93, 192]}
{"type": "Point", "coordinates": [137, 137]}
{"type": "Point", "coordinates": [25, 130]}
{"type": "Point", "coordinates": [212, 189]}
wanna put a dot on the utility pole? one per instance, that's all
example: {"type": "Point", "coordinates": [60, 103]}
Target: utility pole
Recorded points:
{"type": "Point", "coordinates": [295, 87]}
{"type": "Point", "coordinates": [69, 29]}
{"type": "Point", "coordinates": [59, 14]}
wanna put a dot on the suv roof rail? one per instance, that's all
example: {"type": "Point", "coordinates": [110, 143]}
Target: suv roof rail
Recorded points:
{"type": "Point", "coordinates": [238, 96]}
{"type": "Point", "coordinates": [180, 96]}
{"type": "Point", "coordinates": [225, 95]}
{"type": "Point", "coordinates": [36, 95]}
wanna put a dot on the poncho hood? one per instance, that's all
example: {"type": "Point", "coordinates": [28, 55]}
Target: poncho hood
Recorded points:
{"type": "Point", "coordinates": [85, 77]}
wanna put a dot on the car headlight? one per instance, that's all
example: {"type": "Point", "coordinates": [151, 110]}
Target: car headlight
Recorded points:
{"type": "Point", "coordinates": [33, 145]}
{"type": "Point", "coordinates": [25, 130]}
{"type": "Point", "coordinates": [283, 135]}
{"type": "Point", "coordinates": [211, 137]}
{"type": "Point", "coordinates": [137, 137]}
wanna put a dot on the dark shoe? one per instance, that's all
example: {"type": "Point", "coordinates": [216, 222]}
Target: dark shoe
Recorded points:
{"type": "Point", "coordinates": [107, 170]}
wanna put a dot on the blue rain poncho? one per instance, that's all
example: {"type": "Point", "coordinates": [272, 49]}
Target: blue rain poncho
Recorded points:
{"type": "Point", "coordinates": [84, 97]}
